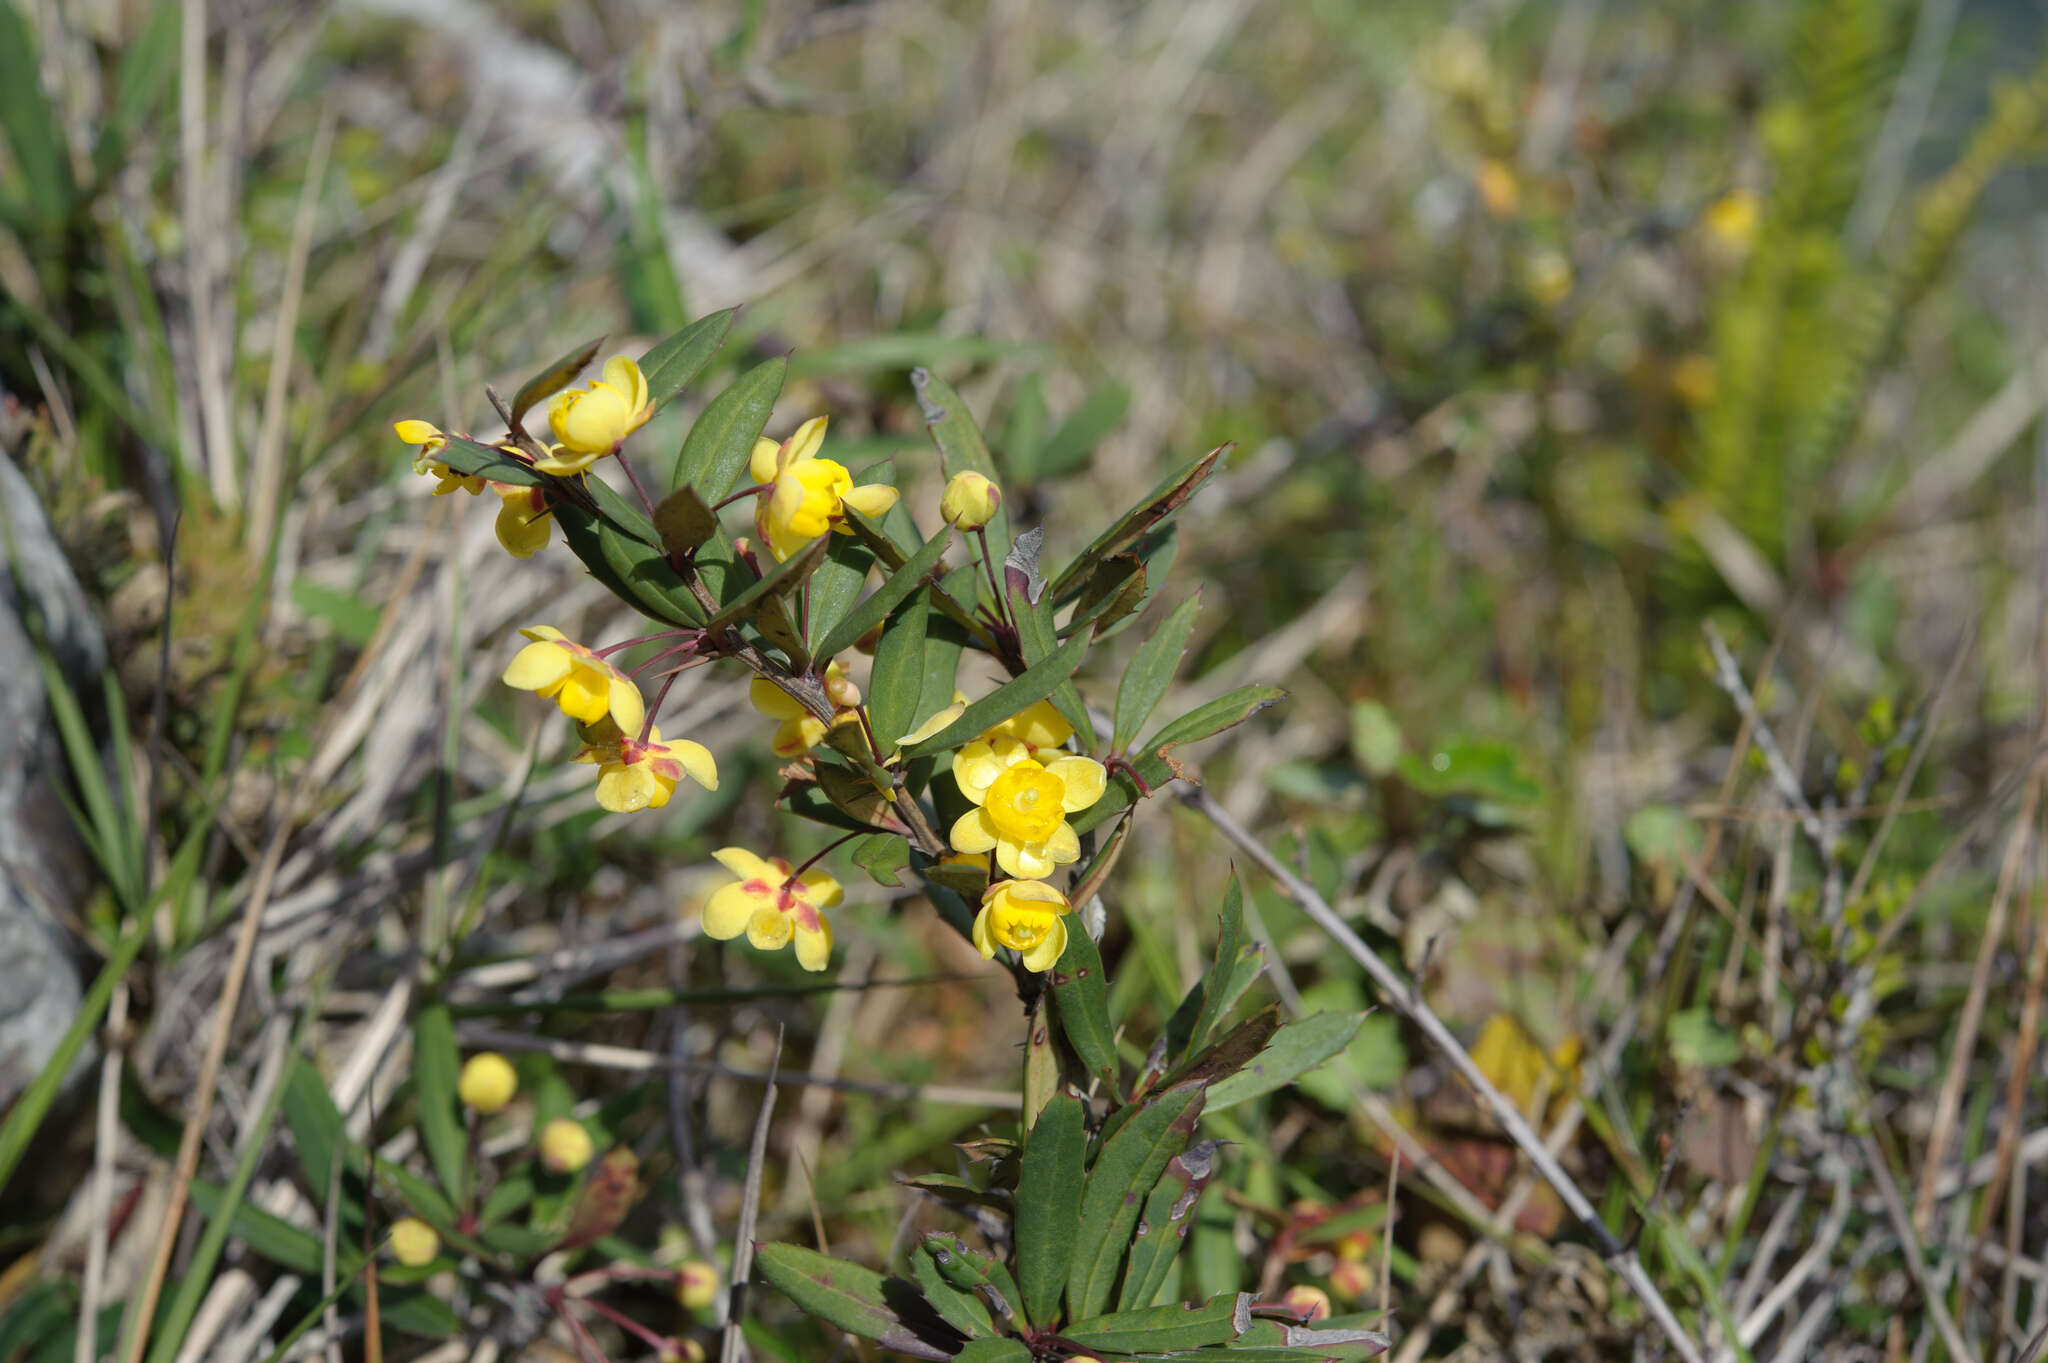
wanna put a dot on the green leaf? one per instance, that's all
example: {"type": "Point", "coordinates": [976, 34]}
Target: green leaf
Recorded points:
{"type": "Point", "coordinates": [1081, 993]}
{"type": "Point", "coordinates": [316, 1126]}
{"type": "Point", "coordinates": [882, 855]}
{"type": "Point", "coordinates": [1486, 768]}
{"type": "Point", "coordinates": [1003, 1350]}
{"type": "Point", "coordinates": [420, 1313]}
{"type": "Point", "coordinates": [1112, 591]}
{"type": "Point", "coordinates": [1294, 1050]}
{"type": "Point", "coordinates": [1274, 1341]}
{"type": "Point", "coordinates": [1151, 670]}
{"type": "Point", "coordinates": [468, 456]}
{"type": "Point", "coordinates": [1130, 1163]}
{"type": "Point", "coordinates": [722, 441]}
{"type": "Point", "coordinates": [29, 123]}
{"type": "Point", "coordinates": [858, 1300]}
{"type": "Point", "coordinates": [1197, 724]}
{"type": "Point", "coordinates": [1375, 738]}
{"type": "Point", "coordinates": [961, 448]}
{"type": "Point", "coordinates": [1699, 1041]}
{"type": "Point", "coordinates": [1167, 498]}
{"type": "Point", "coordinates": [1049, 1182]}
{"type": "Point", "coordinates": [1183, 1041]}
{"type": "Point", "coordinates": [1232, 1051]}
{"type": "Point", "coordinates": [1159, 1329]}
{"type": "Point", "coordinates": [684, 522]}
{"type": "Point", "coordinates": [1024, 428]}
{"type": "Point", "coordinates": [778, 581]}
{"type": "Point", "coordinates": [834, 589]}
{"type": "Point", "coordinates": [670, 364]}
{"type": "Point", "coordinates": [898, 674]}
{"type": "Point", "coordinates": [970, 1270]}
{"type": "Point", "coordinates": [273, 1237]}
{"type": "Point", "coordinates": [1031, 608]}
{"type": "Point", "coordinates": [148, 58]}
{"type": "Point", "coordinates": [944, 642]}
{"type": "Point", "coordinates": [1075, 441]}
{"type": "Point", "coordinates": [1169, 1216]}
{"type": "Point", "coordinates": [900, 583]}
{"type": "Point", "coordinates": [636, 573]}
{"type": "Point", "coordinates": [437, 1070]}
{"type": "Point", "coordinates": [1034, 685]}
{"type": "Point", "coordinates": [898, 349]}
{"type": "Point", "coordinates": [965, 1311]}
{"type": "Point", "coordinates": [553, 379]}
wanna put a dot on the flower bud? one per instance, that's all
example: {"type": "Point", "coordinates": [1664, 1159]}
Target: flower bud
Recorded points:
{"type": "Point", "coordinates": [696, 1284]}
{"type": "Point", "coordinates": [565, 1146]}
{"type": "Point", "coordinates": [1310, 1303]}
{"type": "Point", "coordinates": [413, 1242]}
{"type": "Point", "coordinates": [1350, 1279]}
{"type": "Point", "coordinates": [682, 1351]}
{"type": "Point", "coordinates": [970, 501]}
{"type": "Point", "coordinates": [487, 1083]}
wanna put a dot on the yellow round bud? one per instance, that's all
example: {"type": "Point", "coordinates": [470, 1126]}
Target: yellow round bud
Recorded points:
{"type": "Point", "coordinates": [696, 1284]}
{"type": "Point", "coordinates": [1310, 1303]}
{"type": "Point", "coordinates": [682, 1351]}
{"type": "Point", "coordinates": [970, 501]}
{"type": "Point", "coordinates": [413, 1242]}
{"type": "Point", "coordinates": [1350, 1279]}
{"type": "Point", "coordinates": [488, 1082]}
{"type": "Point", "coordinates": [565, 1146]}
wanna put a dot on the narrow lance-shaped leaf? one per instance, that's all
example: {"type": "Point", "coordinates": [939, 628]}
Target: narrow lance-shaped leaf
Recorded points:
{"type": "Point", "coordinates": [778, 581]}
{"type": "Point", "coordinates": [1081, 995]}
{"type": "Point", "coordinates": [894, 589]}
{"type": "Point", "coordinates": [1031, 608]}
{"type": "Point", "coordinates": [316, 1126]}
{"type": "Point", "coordinates": [858, 1300]}
{"type": "Point", "coordinates": [1049, 1183]}
{"type": "Point", "coordinates": [1005, 1350]}
{"type": "Point", "coordinates": [1071, 445]}
{"type": "Point", "coordinates": [1278, 1341]}
{"type": "Point", "coordinates": [1169, 1216]}
{"type": "Point", "coordinates": [1294, 1050]}
{"type": "Point", "coordinates": [684, 522]}
{"type": "Point", "coordinates": [1234, 1050]}
{"type": "Point", "coordinates": [1175, 1326]}
{"type": "Point", "coordinates": [1130, 1163]}
{"type": "Point", "coordinates": [1012, 696]}
{"type": "Point", "coordinates": [982, 1274]}
{"type": "Point", "coordinates": [1213, 718]}
{"type": "Point", "coordinates": [1229, 937]}
{"type": "Point", "coordinates": [718, 446]}
{"type": "Point", "coordinates": [670, 364]}
{"type": "Point", "coordinates": [487, 461]}
{"type": "Point", "coordinates": [1167, 498]}
{"type": "Point", "coordinates": [1151, 670]}
{"type": "Point", "coordinates": [634, 572]}
{"type": "Point", "coordinates": [436, 1068]}
{"type": "Point", "coordinates": [960, 1308]}
{"type": "Point", "coordinates": [553, 379]}
{"type": "Point", "coordinates": [835, 588]}
{"type": "Point", "coordinates": [897, 677]}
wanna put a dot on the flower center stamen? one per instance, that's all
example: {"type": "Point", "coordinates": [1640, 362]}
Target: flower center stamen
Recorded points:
{"type": "Point", "coordinates": [1024, 803]}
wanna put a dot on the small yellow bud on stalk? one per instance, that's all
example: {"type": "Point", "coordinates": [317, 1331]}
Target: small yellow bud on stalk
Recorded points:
{"type": "Point", "coordinates": [488, 1082]}
{"type": "Point", "coordinates": [696, 1284]}
{"type": "Point", "coordinates": [970, 501]}
{"type": "Point", "coordinates": [565, 1146]}
{"type": "Point", "coordinates": [413, 1242]}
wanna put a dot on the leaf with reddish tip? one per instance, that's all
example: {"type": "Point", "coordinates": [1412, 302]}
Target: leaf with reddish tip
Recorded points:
{"type": "Point", "coordinates": [1166, 499]}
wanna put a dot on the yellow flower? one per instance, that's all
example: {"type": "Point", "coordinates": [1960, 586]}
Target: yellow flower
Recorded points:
{"type": "Point", "coordinates": [804, 496]}
{"type": "Point", "coordinates": [1024, 915]}
{"type": "Point", "coordinates": [1038, 725]}
{"type": "Point", "coordinates": [413, 1242]}
{"type": "Point", "coordinates": [633, 775]}
{"type": "Point", "coordinates": [970, 501]}
{"type": "Point", "coordinates": [429, 438]}
{"type": "Point", "coordinates": [800, 730]}
{"type": "Point", "coordinates": [1506, 1054]}
{"type": "Point", "coordinates": [487, 1083]}
{"type": "Point", "coordinates": [523, 521]}
{"type": "Point", "coordinates": [1731, 220]}
{"type": "Point", "coordinates": [592, 422]}
{"type": "Point", "coordinates": [586, 686]}
{"type": "Point", "coordinates": [1022, 805]}
{"type": "Point", "coordinates": [696, 1284]}
{"type": "Point", "coordinates": [1498, 191]}
{"type": "Point", "coordinates": [771, 907]}
{"type": "Point", "coordinates": [565, 1146]}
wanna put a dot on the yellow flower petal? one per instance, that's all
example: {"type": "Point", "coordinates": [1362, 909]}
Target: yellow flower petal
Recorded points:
{"type": "Point", "coordinates": [761, 464]}
{"type": "Point", "coordinates": [821, 889]}
{"type": "Point", "coordinates": [623, 377]}
{"type": "Point", "coordinates": [1026, 861]}
{"type": "Point", "coordinates": [1047, 953]}
{"type": "Point", "coordinates": [626, 790]}
{"type": "Point", "coordinates": [565, 465]}
{"type": "Point", "coordinates": [769, 929]}
{"type": "Point", "coordinates": [539, 632]}
{"type": "Point", "coordinates": [806, 442]}
{"type": "Point", "coordinates": [586, 695]}
{"type": "Point", "coordinates": [983, 942]}
{"type": "Point", "coordinates": [977, 765]}
{"type": "Point", "coordinates": [772, 701]}
{"type": "Point", "coordinates": [727, 911]}
{"type": "Point", "coordinates": [1084, 779]}
{"type": "Point", "coordinates": [537, 666]}
{"type": "Point", "coordinates": [746, 865]}
{"type": "Point", "coordinates": [814, 949]}
{"type": "Point", "coordinates": [972, 832]}
{"type": "Point", "coordinates": [872, 500]}
{"type": "Point", "coordinates": [522, 533]}
{"type": "Point", "coordinates": [697, 762]}
{"type": "Point", "coordinates": [1064, 846]}
{"type": "Point", "coordinates": [628, 710]}
{"type": "Point", "coordinates": [417, 432]}
{"type": "Point", "coordinates": [931, 726]}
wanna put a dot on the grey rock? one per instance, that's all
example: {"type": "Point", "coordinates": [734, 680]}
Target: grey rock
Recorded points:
{"type": "Point", "coordinates": [45, 871]}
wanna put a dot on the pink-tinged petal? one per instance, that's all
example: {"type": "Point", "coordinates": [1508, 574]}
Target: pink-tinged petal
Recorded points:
{"type": "Point", "coordinates": [1047, 953]}
{"type": "Point", "coordinates": [1064, 846]}
{"type": "Point", "coordinates": [761, 464]}
{"type": "Point", "coordinates": [537, 666]}
{"type": "Point", "coordinates": [972, 832]}
{"type": "Point", "coordinates": [747, 866]}
{"type": "Point", "coordinates": [768, 929]}
{"type": "Point", "coordinates": [806, 442]}
{"type": "Point", "coordinates": [795, 737]}
{"type": "Point", "coordinates": [626, 790]}
{"type": "Point", "coordinates": [622, 699]}
{"type": "Point", "coordinates": [1024, 860]}
{"type": "Point", "coordinates": [872, 500]}
{"type": "Point", "coordinates": [821, 889]}
{"type": "Point", "coordinates": [814, 945]}
{"type": "Point", "coordinates": [727, 911]}
{"type": "Point", "coordinates": [664, 788]}
{"type": "Point", "coordinates": [1084, 778]}
{"type": "Point", "coordinates": [772, 701]}
{"type": "Point", "coordinates": [697, 762]}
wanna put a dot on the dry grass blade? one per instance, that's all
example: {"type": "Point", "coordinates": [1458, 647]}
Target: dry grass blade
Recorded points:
{"type": "Point", "coordinates": [732, 1347]}
{"type": "Point", "coordinates": [1916, 1265]}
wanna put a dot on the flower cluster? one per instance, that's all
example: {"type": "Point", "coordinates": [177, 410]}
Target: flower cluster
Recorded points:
{"type": "Point", "coordinates": [802, 496]}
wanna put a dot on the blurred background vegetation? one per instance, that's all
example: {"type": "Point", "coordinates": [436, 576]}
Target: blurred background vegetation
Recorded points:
{"type": "Point", "coordinates": [1547, 334]}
